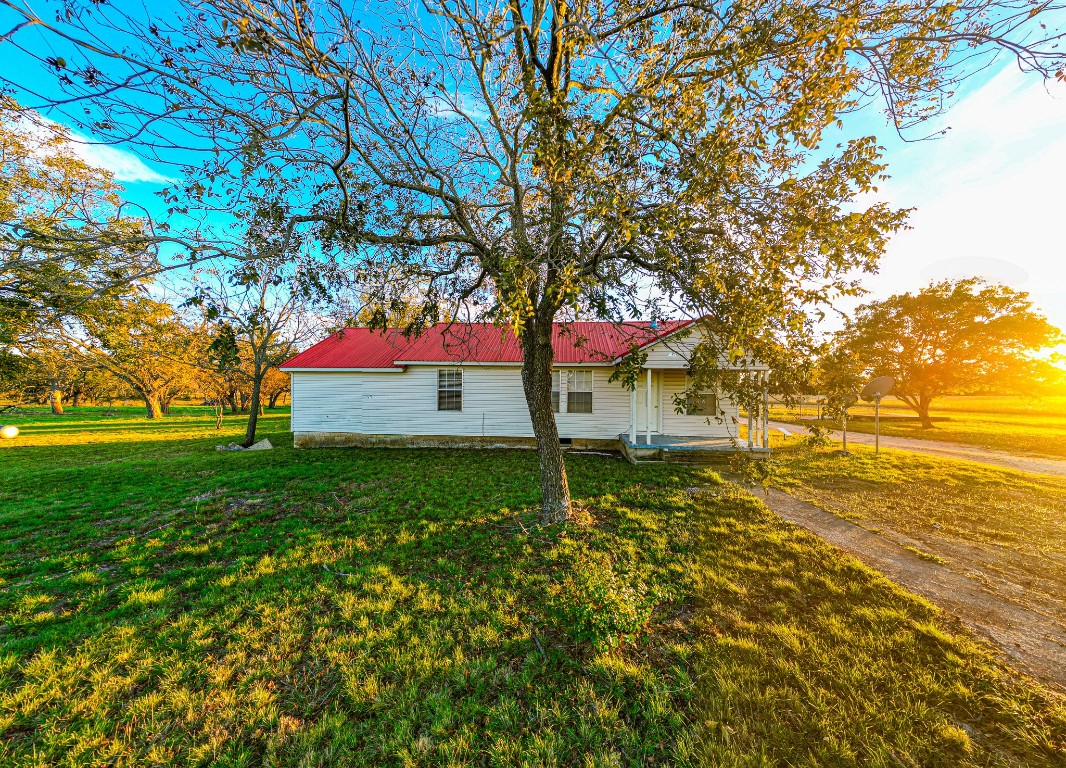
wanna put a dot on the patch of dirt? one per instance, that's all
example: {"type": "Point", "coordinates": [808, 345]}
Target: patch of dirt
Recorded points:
{"type": "Point", "coordinates": [206, 496]}
{"type": "Point", "coordinates": [1034, 642]}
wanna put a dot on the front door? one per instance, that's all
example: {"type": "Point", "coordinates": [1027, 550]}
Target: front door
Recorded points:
{"type": "Point", "coordinates": [642, 410]}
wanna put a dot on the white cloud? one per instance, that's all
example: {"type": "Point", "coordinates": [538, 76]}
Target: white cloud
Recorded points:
{"type": "Point", "coordinates": [458, 104]}
{"type": "Point", "coordinates": [123, 164]}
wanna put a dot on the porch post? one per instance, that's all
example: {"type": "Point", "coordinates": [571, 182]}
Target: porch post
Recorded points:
{"type": "Point", "coordinates": [751, 441]}
{"type": "Point", "coordinates": [766, 410]}
{"type": "Point", "coordinates": [633, 414]}
{"type": "Point", "coordinates": [647, 406]}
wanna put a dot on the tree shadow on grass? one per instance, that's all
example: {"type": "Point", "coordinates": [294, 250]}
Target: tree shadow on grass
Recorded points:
{"type": "Point", "coordinates": [364, 602]}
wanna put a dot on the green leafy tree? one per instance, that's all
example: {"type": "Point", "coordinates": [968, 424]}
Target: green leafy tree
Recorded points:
{"type": "Point", "coordinates": [51, 369]}
{"type": "Point", "coordinates": [58, 375]}
{"type": "Point", "coordinates": [542, 159]}
{"type": "Point", "coordinates": [64, 239]}
{"type": "Point", "coordinates": [838, 377]}
{"type": "Point", "coordinates": [955, 338]}
{"type": "Point", "coordinates": [15, 375]}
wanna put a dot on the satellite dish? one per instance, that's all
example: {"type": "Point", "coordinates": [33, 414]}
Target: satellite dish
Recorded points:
{"type": "Point", "coordinates": [878, 388]}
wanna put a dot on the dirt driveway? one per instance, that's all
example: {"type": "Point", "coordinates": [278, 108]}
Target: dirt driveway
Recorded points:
{"type": "Point", "coordinates": [943, 449]}
{"type": "Point", "coordinates": [1032, 641]}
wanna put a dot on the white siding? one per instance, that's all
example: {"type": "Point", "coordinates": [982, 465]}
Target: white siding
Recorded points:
{"type": "Point", "coordinates": [676, 351]}
{"type": "Point", "coordinates": [673, 351]}
{"type": "Point", "coordinates": [493, 405]}
{"type": "Point", "coordinates": [327, 402]}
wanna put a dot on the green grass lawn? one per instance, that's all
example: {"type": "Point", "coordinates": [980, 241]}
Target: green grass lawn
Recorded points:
{"type": "Point", "coordinates": [163, 603]}
{"type": "Point", "coordinates": [1008, 526]}
{"type": "Point", "coordinates": [1034, 426]}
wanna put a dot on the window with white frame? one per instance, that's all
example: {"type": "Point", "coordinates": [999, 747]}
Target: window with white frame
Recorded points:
{"type": "Point", "coordinates": [556, 380]}
{"type": "Point", "coordinates": [579, 391]}
{"type": "Point", "coordinates": [449, 390]}
{"type": "Point", "coordinates": [701, 403]}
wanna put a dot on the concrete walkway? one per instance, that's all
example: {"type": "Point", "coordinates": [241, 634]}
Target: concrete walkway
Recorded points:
{"type": "Point", "coordinates": [946, 450]}
{"type": "Point", "coordinates": [1034, 642]}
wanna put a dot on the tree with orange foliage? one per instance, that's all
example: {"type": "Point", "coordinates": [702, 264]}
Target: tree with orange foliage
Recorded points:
{"type": "Point", "coordinates": [955, 338]}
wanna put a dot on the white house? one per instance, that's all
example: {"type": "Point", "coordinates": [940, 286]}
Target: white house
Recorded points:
{"type": "Point", "coordinates": [460, 385]}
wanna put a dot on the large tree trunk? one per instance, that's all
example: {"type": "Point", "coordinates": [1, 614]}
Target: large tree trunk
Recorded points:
{"type": "Point", "coordinates": [537, 384]}
{"type": "Point", "coordinates": [923, 412]}
{"type": "Point", "coordinates": [274, 397]}
{"type": "Point", "coordinates": [75, 400]}
{"type": "Point", "coordinates": [153, 405]}
{"type": "Point", "coordinates": [55, 398]}
{"type": "Point", "coordinates": [253, 410]}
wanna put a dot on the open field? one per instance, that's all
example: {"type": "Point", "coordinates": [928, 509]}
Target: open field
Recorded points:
{"type": "Point", "coordinates": [162, 603]}
{"type": "Point", "coordinates": [1021, 425]}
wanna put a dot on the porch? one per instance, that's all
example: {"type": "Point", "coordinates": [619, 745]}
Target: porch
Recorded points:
{"type": "Point", "coordinates": [702, 430]}
{"type": "Point", "coordinates": [685, 449]}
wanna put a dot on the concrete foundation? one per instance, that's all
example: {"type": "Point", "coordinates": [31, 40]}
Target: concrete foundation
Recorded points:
{"type": "Point", "coordinates": [358, 440]}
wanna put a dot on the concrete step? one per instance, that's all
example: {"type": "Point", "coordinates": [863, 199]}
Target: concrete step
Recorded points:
{"type": "Point", "coordinates": [696, 458]}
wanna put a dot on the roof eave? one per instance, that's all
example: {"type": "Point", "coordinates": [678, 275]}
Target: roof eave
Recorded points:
{"type": "Point", "coordinates": [507, 363]}
{"type": "Point", "coordinates": [654, 341]}
{"type": "Point", "coordinates": [311, 369]}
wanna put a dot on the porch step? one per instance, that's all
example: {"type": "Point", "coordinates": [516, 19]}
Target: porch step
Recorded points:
{"type": "Point", "coordinates": [643, 454]}
{"type": "Point", "coordinates": [696, 458]}
{"type": "Point", "coordinates": [706, 458]}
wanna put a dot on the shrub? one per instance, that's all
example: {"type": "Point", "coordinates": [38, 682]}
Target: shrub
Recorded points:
{"type": "Point", "coordinates": [818, 437]}
{"type": "Point", "coordinates": [597, 600]}
{"type": "Point", "coordinates": [753, 470]}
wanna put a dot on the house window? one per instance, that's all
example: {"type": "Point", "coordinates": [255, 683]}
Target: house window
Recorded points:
{"type": "Point", "coordinates": [556, 379]}
{"type": "Point", "coordinates": [449, 390]}
{"type": "Point", "coordinates": [579, 392]}
{"type": "Point", "coordinates": [702, 404]}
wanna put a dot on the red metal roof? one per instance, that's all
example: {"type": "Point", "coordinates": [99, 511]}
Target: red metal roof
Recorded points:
{"type": "Point", "coordinates": [353, 348]}
{"type": "Point", "coordinates": [580, 342]}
